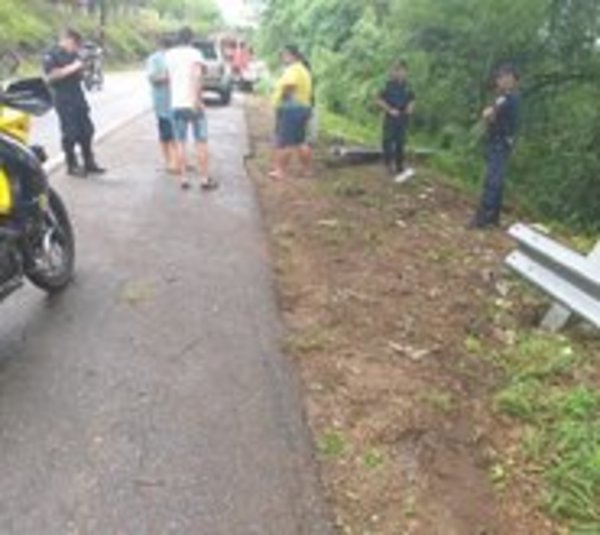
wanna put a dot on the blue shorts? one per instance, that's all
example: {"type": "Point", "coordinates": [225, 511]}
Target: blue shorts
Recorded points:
{"type": "Point", "coordinates": [165, 130]}
{"type": "Point", "coordinates": [184, 118]}
{"type": "Point", "coordinates": [292, 125]}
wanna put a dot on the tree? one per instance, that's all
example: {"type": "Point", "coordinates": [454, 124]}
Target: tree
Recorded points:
{"type": "Point", "coordinates": [452, 46]}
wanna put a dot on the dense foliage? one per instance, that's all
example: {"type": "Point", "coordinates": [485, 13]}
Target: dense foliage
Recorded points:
{"type": "Point", "coordinates": [131, 26]}
{"type": "Point", "coordinates": [452, 46]}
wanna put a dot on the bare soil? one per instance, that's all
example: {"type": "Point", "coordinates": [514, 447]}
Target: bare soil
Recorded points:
{"type": "Point", "coordinates": [381, 289]}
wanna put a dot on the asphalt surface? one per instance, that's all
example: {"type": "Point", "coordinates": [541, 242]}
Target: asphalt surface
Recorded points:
{"type": "Point", "coordinates": [152, 397]}
{"type": "Point", "coordinates": [125, 95]}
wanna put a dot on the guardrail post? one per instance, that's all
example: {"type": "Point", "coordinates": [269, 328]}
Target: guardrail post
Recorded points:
{"type": "Point", "coordinates": [558, 316]}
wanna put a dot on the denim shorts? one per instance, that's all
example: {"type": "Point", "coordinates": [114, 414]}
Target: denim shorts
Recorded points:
{"type": "Point", "coordinates": [184, 119]}
{"type": "Point", "coordinates": [166, 132]}
{"type": "Point", "coordinates": [292, 125]}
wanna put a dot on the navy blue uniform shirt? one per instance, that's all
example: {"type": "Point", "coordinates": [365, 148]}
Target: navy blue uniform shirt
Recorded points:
{"type": "Point", "coordinates": [505, 125]}
{"type": "Point", "coordinates": [67, 91]}
{"type": "Point", "coordinates": [397, 95]}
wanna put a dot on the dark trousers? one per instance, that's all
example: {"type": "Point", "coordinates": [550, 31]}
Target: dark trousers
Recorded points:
{"type": "Point", "coordinates": [77, 129]}
{"type": "Point", "coordinates": [497, 156]}
{"type": "Point", "coordinates": [394, 139]}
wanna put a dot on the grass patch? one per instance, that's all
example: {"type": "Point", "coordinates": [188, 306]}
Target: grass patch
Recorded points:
{"type": "Point", "coordinates": [337, 126]}
{"type": "Point", "coordinates": [307, 341]}
{"type": "Point", "coordinates": [332, 444]}
{"type": "Point", "coordinates": [373, 459]}
{"type": "Point", "coordinates": [546, 390]}
{"type": "Point", "coordinates": [438, 400]}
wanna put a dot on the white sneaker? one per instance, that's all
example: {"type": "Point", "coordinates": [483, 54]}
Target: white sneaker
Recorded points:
{"type": "Point", "coordinates": [405, 176]}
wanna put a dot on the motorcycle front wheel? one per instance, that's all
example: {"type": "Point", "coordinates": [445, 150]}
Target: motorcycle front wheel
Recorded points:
{"type": "Point", "coordinates": [53, 261]}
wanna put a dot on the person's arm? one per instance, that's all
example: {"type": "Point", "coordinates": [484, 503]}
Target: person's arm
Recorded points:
{"type": "Point", "coordinates": [289, 83]}
{"type": "Point", "coordinates": [288, 91]}
{"type": "Point", "coordinates": [412, 103]}
{"type": "Point", "coordinates": [491, 112]}
{"type": "Point", "coordinates": [59, 73]}
{"type": "Point", "coordinates": [198, 85]}
{"type": "Point", "coordinates": [383, 104]}
{"type": "Point", "coordinates": [285, 87]}
{"type": "Point", "coordinates": [157, 76]}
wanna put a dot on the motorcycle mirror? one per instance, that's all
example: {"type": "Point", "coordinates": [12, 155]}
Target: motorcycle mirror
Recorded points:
{"type": "Point", "coordinates": [9, 64]}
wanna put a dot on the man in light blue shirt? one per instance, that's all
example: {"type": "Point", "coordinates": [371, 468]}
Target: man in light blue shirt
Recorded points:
{"type": "Point", "coordinates": [158, 76]}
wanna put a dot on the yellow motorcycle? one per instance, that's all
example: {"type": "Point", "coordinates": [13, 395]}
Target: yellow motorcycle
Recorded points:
{"type": "Point", "coordinates": [36, 236]}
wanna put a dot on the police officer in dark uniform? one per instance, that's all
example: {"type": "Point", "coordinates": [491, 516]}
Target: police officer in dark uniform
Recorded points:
{"type": "Point", "coordinates": [64, 70]}
{"type": "Point", "coordinates": [397, 101]}
{"type": "Point", "coordinates": [502, 120]}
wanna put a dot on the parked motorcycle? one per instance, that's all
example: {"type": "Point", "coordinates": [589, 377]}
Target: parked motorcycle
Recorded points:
{"type": "Point", "coordinates": [36, 237]}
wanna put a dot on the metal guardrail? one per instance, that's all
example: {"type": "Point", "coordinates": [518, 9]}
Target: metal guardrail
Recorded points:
{"type": "Point", "coordinates": [571, 279]}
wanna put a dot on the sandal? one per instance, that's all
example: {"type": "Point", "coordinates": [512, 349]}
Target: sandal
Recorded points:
{"type": "Point", "coordinates": [209, 184]}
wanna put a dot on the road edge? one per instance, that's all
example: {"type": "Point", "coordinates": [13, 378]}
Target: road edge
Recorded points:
{"type": "Point", "coordinates": [57, 162]}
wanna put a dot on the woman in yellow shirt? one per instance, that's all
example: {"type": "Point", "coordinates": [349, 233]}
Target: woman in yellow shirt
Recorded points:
{"type": "Point", "coordinates": [293, 104]}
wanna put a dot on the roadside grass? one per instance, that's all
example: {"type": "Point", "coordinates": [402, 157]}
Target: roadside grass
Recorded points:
{"type": "Point", "coordinates": [548, 389]}
{"type": "Point", "coordinates": [339, 127]}
{"type": "Point", "coordinates": [308, 341]}
{"type": "Point", "coordinates": [437, 400]}
{"type": "Point", "coordinates": [332, 444]}
{"type": "Point", "coordinates": [373, 459]}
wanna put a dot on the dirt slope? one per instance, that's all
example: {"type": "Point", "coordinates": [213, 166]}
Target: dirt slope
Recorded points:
{"type": "Point", "coordinates": [383, 292]}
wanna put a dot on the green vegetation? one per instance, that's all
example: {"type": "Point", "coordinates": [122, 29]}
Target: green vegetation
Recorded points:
{"type": "Point", "coordinates": [308, 340]}
{"type": "Point", "coordinates": [548, 390]}
{"type": "Point", "coordinates": [332, 444]}
{"type": "Point", "coordinates": [373, 459]}
{"type": "Point", "coordinates": [131, 27]}
{"type": "Point", "coordinates": [451, 47]}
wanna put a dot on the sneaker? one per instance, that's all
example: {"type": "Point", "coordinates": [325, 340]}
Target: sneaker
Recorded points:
{"type": "Point", "coordinates": [405, 176]}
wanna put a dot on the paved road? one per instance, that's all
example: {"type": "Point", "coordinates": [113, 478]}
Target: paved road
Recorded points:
{"type": "Point", "coordinates": [151, 398]}
{"type": "Point", "coordinates": [124, 95]}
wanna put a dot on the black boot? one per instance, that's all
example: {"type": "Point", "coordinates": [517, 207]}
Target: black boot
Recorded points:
{"type": "Point", "coordinates": [91, 167]}
{"type": "Point", "coordinates": [94, 169]}
{"type": "Point", "coordinates": [76, 171]}
{"type": "Point", "coordinates": [73, 167]}
{"type": "Point", "coordinates": [483, 220]}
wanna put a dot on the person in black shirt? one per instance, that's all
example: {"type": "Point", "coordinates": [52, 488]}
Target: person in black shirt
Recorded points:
{"type": "Point", "coordinates": [502, 122]}
{"type": "Point", "coordinates": [64, 70]}
{"type": "Point", "coordinates": [397, 101]}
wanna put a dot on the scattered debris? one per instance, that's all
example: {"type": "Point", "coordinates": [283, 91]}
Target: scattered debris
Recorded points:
{"type": "Point", "coordinates": [411, 352]}
{"type": "Point", "coordinates": [137, 292]}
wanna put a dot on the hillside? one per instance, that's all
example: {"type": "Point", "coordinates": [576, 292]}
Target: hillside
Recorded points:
{"type": "Point", "coordinates": [29, 26]}
{"type": "Point", "coordinates": [452, 47]}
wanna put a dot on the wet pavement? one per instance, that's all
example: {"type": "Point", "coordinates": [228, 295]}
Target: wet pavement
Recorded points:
{"type": "Point", "coordinates": [152, 398]}
{"type": "Point", "coordinates": [125, 95]}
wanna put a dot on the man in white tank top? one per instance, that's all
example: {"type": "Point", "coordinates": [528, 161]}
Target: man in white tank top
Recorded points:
{"type": "Point", "coordinates": [184, 65]}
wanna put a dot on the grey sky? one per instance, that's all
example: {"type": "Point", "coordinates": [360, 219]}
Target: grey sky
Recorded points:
{"type": "Point", "coordinates": [233, 10]}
